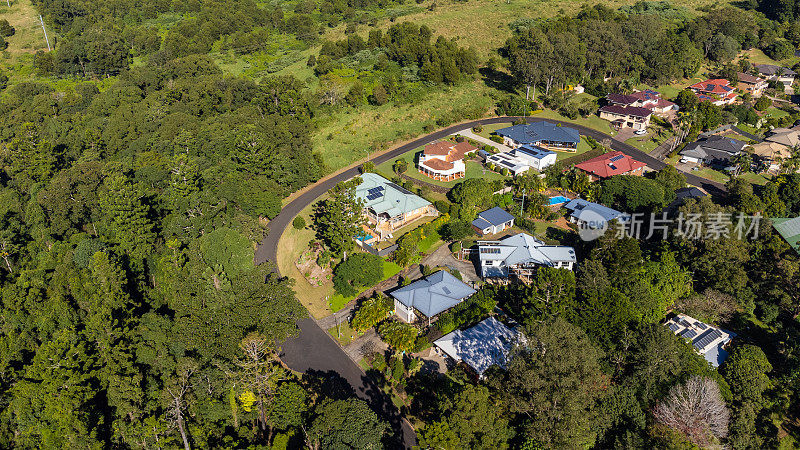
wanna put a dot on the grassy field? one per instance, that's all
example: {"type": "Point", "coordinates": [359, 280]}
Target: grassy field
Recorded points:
{"type": "Point", "coordinates": [649, 142]}
{"type": "Point", "coordinates": [484, 24]}
{"type": "Point", "coordinates": [17, 60]}
{"type": "Point", "coordinates": [756, 56]}
{"type": "Point", "coordinates": [346, 136]}
{"type": "Point", "coordinates": [711, 174]}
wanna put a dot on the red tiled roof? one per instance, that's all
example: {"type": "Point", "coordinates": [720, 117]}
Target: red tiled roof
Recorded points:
{"type": "Point", "coordinates": [450, 151]}
{"type": "Point", "coordinates": [634, 111]}
{"type": "Point", "coordinates": [610, 164]}
{"type": "Point", "coordinates": [438, 164]}
{"type": "Point", "coordinates": [441, 148]}
{"type": "Point", "coordinates": [718, 86]}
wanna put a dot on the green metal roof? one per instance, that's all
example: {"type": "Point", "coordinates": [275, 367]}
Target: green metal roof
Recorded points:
{"type": "Point", "coordinates": [383, 196]}
{"type": "Point", "coordinates": [789, 228]}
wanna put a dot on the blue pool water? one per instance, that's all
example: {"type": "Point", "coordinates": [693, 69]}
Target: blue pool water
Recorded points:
{"type": "Point", "coordinates": [363, 237]}
{"type": "Point", "coordinates": [558, 200]}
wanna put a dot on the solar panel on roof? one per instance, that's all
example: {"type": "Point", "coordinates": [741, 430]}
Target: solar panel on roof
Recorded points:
{"type": "Point", "coordinates": [701, 325]}
{"type": "Point", "coordinates": [688, 333]}
{"type": "Point", "coordinates": [613, 167]}
{"type": "Point", "coordinates": [446, 290]}
{"type": "Point", "coordinates": [506, 163]}
{"type": "Point", "coordinates": [674, 327]}
{"type": "Point", "coordinates": [617, 158]}
{"type": "Point", "coordinates": [706, 338]}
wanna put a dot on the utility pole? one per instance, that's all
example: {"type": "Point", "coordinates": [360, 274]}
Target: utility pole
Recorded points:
{"type": "Point", "coordinates": [522, 208]}
{"type": "Point", "coordinates": [43, 29]}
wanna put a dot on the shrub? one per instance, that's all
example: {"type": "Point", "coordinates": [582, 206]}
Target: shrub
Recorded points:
{"type": "Point", "coordinates": [400, 336]}
{"type": "Point", "coordinates": [358, 271]}
{"type": "Point", "coordinates": [299, 223]}
{"type": "Point", "coordinates": [763, 103]}
{"type": "Point", "coordinates": [371, 312]}
{"type": "Point", "coordinates": [478, 128]}
{"type": "Point", "coordinates": [368, 166]}
{"type": "Point", "coordinates": [496, 138]}
{"type": "Point", "coordinates": [400, 166]}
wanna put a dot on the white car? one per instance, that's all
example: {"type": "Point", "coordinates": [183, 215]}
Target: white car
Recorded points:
{"type": "Point", "coordinates": [640, 132]}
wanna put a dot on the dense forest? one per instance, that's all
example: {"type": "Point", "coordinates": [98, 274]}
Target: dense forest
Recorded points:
{"type": "Point", "coordinates": [133, 316]}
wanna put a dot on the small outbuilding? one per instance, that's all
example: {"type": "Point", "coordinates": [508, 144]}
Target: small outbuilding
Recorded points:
{"type": "Point", "coordinates": [492, 221]}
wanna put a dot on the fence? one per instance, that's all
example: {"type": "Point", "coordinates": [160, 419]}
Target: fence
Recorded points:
{"type": "Point", "coordinates": [382, 253]}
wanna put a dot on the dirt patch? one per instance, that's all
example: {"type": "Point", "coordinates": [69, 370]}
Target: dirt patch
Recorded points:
{"type": "Point", "coordinates": [308, 267]}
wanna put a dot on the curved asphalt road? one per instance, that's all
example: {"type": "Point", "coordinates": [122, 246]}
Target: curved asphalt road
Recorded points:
{"type": "Point", "coordinates": [313, 350]}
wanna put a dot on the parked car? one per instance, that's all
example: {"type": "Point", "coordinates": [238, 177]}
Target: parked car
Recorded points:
{"type": "Point", "coordinates": [640, 132]}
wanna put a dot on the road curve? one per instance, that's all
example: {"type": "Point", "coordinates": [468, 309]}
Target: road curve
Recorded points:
{"type": "Point", "coordinates": [314, 351]}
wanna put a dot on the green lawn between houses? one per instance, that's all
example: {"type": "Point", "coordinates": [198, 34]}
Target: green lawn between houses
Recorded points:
{"type": "Point", "coordinates": [474, 170]}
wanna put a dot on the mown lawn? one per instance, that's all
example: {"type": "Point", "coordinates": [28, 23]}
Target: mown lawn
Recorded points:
{"type": "Point", "coordinates": [755, 178]}
{"type": "Point", "coordinates": [343, 333]}
{"type": "Point", "coordinates": [474, 170]}
{"type": "Point", "coordinates": [711, 174]}
{"type": "Point", "coordinates": [649, 142]}
{"type": "Point", "coordinates": [593, 121]}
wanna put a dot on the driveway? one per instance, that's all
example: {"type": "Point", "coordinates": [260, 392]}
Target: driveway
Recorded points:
{"type": "Point", "coordinates": [313, 350]}
{"type": "Point", "coordinates": [468, 133]}
{"type": "Point", "coordinates": [442, 257]}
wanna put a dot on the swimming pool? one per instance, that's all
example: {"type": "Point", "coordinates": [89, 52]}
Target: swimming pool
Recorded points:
{"type": "Point", "coordinates": [363, 237]}
{"type": "Point", "coordinates": [557, 200]}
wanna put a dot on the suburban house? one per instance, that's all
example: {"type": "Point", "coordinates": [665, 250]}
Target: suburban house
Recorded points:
{"type": "Point", "coordinates": [444, 160]}
{"type": "Point", "coordinates": [777, 146]}
{"type": "Point", "coordinates": [541, 134]}
{"type": "Point", "coordinates": [717, 91]}
{"type": "Point", "coordinates": [522, 158]}
{"type": "Point", "coordinates": [648, 99]}
{"type": "Point", "coordinates": [487, 344]}
{"type": "Point", "coordinates": [713, 151]}
{"type": "Point", "coordinates": [752, 84]}
{"type": "Point", "coordinates": [789, 229]}
{"type": "Point", "coordinates": [684, 194]}
{"type": "Point", "coordinates": [610, 164]}
{"type": "Point", "coordinates": [389, 206]}
{"type": "Point", "coordinates": [429, 296]}
{"type": "Point", "coordinates": [777, 73]}
{"type": "Point", "coordinates": [493, 221]}
{"type": "Point", "coordinates": [626, 116]}
{"type": "Point", "coordinates": [707, 340]}
{"type": "Point", "coordinates": [519, 255]}
{"type": "Point", "coordinates": [592, 215]}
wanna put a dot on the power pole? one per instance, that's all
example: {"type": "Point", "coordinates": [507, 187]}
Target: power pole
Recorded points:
{"type": "Point", "coordinates": [43, 29]}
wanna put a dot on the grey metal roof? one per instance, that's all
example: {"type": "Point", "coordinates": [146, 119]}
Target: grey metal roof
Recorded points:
{"type": "Point", "coordinates": [486, 344]}
{"type": "Point", "coordinates": [520, 249]}
{"type": "Point", "coordinates": [496, 216]}
{"type": "Point", "coordinates": [587, 211]}
{"type": "Point", "coordinates": [481, 224]}
{"type": "Point", "coordinates": [434, 294]}
{"type": "Point", "coordinates": [771, 69]}
{"type": "Point", "coordinates": [714, 148]}
{"type": "Point", "coordinates": [540, 131]}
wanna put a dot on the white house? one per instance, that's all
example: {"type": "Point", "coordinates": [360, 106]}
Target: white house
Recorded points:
{"type": "Point", "coordinates": [487, 344]}
{"type": "Point", "coordinates": [520, 254]}
{"type": "Point", "coordinates": [522, 158]}
{"type": "Point", "coordinates": [492, 221]}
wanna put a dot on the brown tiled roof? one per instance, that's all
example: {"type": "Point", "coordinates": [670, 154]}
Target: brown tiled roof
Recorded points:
{"type": "Point", "coordinates": [441, 148]}
{"type": "Point", "coordinates": [450, 151]}
{"type": "Point", "coordinates": [749, 79]}
{"type": "Point", "coordinates": [460, 150]}
{"type": "Point", "coordinates": [634, 111]}
{"type": "Point", "coordinates": [438, 164]}
{"type": "Point", "coordinates": [621, 99]}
